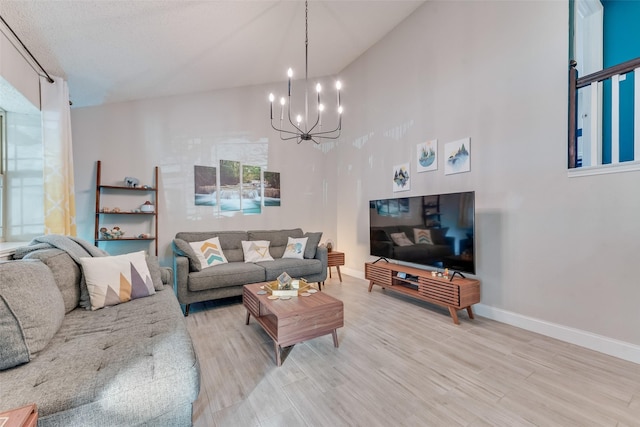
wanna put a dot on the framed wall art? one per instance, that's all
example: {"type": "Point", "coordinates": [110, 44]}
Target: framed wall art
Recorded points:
{"type": "Point", "coordinates": [457, 156]}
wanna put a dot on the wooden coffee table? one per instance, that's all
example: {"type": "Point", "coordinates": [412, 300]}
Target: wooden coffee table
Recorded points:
{"type": "Point", "coordinates": [295, 320]}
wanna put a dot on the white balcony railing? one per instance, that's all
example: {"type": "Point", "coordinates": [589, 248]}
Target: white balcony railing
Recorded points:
{"type": "Point", "coordinates": [586, 100]}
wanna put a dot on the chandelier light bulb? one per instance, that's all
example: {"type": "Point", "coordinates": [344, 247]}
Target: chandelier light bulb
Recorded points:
{"type": "Point", "coordinates": [318, 88]}
{"type": "Point", "coordinates": [321, 107]}
{"type": "Point", "coordinates": [290, 72]}
{"type": "Point", "coordinates": [338, 85]}
{"type": "Point", "coordinates": [271, 97]}
{"type": "Point", "coordinates": [298, 118]}
{"type": "Point", "coordinates": [282, 101]}
{"type": "Point", "coordinates": [340, 109]}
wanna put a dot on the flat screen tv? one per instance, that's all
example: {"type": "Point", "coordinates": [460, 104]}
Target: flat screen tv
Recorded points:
{"type": "Point", "coordinates": [435, 230]}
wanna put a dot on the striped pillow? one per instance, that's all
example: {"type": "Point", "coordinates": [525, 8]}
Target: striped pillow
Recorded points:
{"type": "Point", "coordinates": [422, 236]}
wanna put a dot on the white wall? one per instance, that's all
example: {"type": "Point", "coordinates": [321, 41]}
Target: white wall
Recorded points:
{"type": "Point", "coordinates": [550, 250]}
{"type": "Point", "coordinates": [176, 133]}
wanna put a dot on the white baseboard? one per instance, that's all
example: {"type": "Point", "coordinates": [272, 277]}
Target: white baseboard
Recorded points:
{"type": "Point", "coordinates": [359, 274]}
{"type": "Point", "coordinates": [612, 347]}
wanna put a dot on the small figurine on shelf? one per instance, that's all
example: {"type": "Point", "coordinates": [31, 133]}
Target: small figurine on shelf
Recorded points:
{"type": "Point", "coordinates": [105, 210]}
{"type": "Point", "coordinates": [131, 181]}
{"type": "Point", "coordinates": [115, 210]}
{"type": "Point", "coordinates": [114, 233]}
{"type": "Point", "coordinates": [143, 236]}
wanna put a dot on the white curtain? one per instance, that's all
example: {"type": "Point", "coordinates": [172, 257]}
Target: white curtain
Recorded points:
{"type": "Point", "coordinates": [59, 192]}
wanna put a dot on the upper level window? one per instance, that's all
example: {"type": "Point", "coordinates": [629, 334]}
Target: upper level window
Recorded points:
{"type": "Point", "coordinates": [603, 120]}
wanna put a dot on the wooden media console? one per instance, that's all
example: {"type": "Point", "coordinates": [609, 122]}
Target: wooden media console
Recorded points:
{"type": "Point", "coordinates": [456, 294]}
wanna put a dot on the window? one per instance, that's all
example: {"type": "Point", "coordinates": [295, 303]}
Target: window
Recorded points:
{"type": "Point", "coordinates": [23, 206]}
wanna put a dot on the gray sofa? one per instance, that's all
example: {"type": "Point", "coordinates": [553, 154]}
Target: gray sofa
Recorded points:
{"type": "Point", "coordinates": [131, 364]}
{"type": "Point", "coordinates": [196, 284]}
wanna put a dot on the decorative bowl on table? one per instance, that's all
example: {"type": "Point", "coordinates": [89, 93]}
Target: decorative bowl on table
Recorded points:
{"type": "Point", "coordinates": [274, 288]}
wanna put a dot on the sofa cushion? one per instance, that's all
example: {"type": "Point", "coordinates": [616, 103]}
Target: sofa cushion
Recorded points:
{"type": "Point", "coordinates": [312, 243]}
{"type": "Point", "coordinates": [123, 366]}
{"type": "Point", "coordinates": [116, 279]}
{"type": "Point", "coordinates": [277, 238]}
{"type": "Point", "coordinates": [31, 310]}
{"type": "Point", "coordinates": [295, 248]}
{"type": "Point", "coordinates": [295, 268]}
{"type": "Point", "coordinates": [224, 275]}
{"type": "Point", "coordinates": [65, 271]}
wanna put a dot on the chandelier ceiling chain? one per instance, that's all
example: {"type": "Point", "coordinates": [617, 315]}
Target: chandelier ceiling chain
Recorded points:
{"type": "Point", "coordinates": [299, 131]}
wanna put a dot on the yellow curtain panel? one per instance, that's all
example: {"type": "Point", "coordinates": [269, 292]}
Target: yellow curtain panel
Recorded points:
{"type": "Point", "coordinates": [59, 192]}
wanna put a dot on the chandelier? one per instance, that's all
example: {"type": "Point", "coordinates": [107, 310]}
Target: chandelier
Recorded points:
{"type": "Point", "coordinates": [302, 130]}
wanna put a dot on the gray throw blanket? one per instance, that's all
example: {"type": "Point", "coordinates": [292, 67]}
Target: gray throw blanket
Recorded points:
{"type": "Point", "coordinates": [75, 247]}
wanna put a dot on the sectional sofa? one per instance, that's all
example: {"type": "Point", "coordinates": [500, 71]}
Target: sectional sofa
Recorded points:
{"type": "Point", "coordinates": [122, 365]}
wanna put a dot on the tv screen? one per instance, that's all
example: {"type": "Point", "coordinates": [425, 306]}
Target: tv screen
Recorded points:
{"type": "Point", "coordinates": [434, 230]}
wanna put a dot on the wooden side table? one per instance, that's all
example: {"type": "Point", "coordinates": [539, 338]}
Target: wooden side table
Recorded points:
{"type": "Point", "coordinates": [335, 259]}
{"type": "Point", "coordinates": [26, 416]}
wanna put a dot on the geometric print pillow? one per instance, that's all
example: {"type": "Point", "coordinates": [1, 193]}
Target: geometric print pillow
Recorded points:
{"type": "Point", "coordinates": [295, 248]}
{"type": "Point", "coordinates": [256, 250]}
{"type": "Point", "coordinates": [209, 252]}
{"type": "Point", "coordinates": [116, 279]}
{"type": "Point", "coordinates": [422, 236]}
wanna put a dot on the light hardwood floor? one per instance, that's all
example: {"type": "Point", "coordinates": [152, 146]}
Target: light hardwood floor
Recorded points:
{"type": "Point", "coordinates": [403, 363]}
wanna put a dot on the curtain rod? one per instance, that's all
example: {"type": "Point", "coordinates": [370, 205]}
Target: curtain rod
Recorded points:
{"type": "Point", "coordinates": [49, 79]}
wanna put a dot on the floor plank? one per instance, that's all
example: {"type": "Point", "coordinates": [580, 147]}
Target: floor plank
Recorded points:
{"type": "Point", "coordinates": [403, 362]}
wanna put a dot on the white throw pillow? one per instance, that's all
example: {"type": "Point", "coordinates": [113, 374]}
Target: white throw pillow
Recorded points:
{"type": "Point", "coordinates": [209, 252]}
{"type": "Point", "coordinates": [401, 239]}
{"type": "Point", "coordinates": [116, 279]}
{"type": "Point", "coordinates": [295, 248]}
{"type": "Point", "coordinates": [256, 250]}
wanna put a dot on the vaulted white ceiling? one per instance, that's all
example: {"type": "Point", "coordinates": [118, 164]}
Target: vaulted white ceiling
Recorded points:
{"type": "Point", "coordinates": [111, 51]}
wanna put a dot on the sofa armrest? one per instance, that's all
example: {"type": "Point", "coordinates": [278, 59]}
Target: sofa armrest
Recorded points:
{"type": "Point", "coordinates": [321, 254]}
{"type": "Point", "coordinates": [180, 277]}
